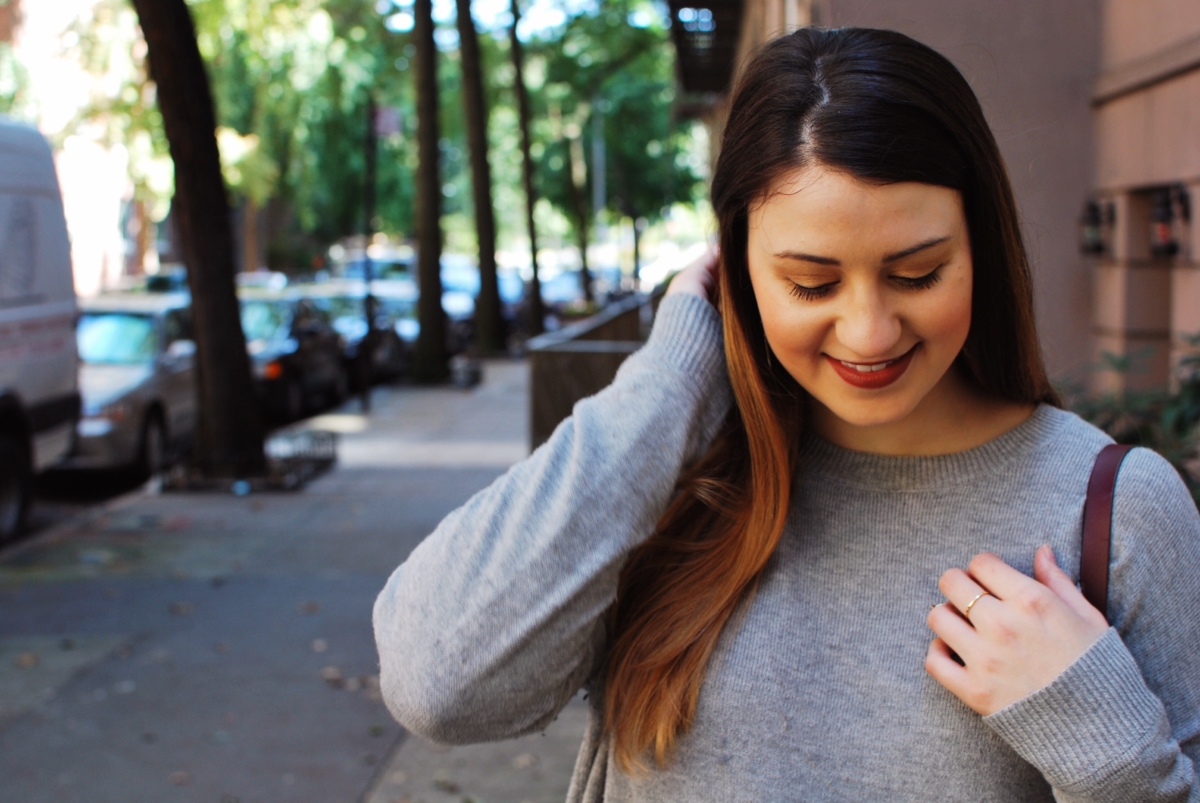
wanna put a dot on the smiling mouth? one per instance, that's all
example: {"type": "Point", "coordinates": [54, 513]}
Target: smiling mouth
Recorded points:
{"type": "Point", "coordinates": [871, 376]}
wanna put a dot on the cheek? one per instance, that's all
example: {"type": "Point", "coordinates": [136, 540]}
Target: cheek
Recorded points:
{"type": "Point", "coordinates": [795, 332]}
{"type": "Point", "coordinates": [943, 320]}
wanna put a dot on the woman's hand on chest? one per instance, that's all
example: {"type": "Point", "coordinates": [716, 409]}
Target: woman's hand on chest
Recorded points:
{"type": "Point", "coordinates": [1014, 634]}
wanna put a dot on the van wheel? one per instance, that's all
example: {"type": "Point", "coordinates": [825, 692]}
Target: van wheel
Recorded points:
{"type": "Point", "coordinates": [16, 486]}
{"type": "Point", "coordinates": [152, 456]}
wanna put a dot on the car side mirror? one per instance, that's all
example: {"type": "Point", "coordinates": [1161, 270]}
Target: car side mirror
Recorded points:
{"type": "Point", "coordinates": [180, 349]}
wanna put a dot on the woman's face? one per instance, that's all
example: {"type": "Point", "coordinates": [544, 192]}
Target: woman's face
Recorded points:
{"type": "Point", "coordinates": [864, 290]}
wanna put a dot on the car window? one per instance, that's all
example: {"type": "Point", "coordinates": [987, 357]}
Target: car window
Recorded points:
{"type": "Point", "coordinates": [264, 320]}
{"type": "Point", "coordinates": [115, 338]}
{"type": "Point", "coordinates": [305, 317]}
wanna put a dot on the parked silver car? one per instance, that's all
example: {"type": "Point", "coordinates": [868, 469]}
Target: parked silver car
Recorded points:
{"type": "Point", "coordinates": [137, 379]}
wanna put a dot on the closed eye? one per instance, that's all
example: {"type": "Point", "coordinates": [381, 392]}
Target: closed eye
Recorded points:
{"type": "Point", "coordinates": [920, 282]}
{"type": "Point", "coordinates": [811, 293]}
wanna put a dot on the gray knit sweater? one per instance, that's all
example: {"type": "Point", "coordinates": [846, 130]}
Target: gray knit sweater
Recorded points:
{"type": "Point", "coordinates": [818, 691]}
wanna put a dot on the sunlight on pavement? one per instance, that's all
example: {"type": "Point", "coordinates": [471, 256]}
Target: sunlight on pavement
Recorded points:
{"type": "Point", "coordinates": [385, 453]}
{"type": "Point", "coordinates": [341, 423]}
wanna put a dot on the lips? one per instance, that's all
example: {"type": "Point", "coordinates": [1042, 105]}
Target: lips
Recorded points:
{"type": "Point", "coordinates": [875, 375]}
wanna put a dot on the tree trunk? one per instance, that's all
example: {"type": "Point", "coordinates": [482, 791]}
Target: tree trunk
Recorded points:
{"type": "Point", "coordinates": [366, 346]}
{"type": "Point", "coordinates": [141, 238]}
{"type": "Point", "coordinates": [429, 357]}
{"type": "Point", "coordinates": [537, 311]}
{"type": "Point", "coordinates": [637, 256]}
{"type": "Point", "coordinates": [489, 319]}
{"type": "Point", "coordinates": [230, 439]}
{"type": "Point", "coordinates": [576, 187]}
{"type": "Point", "coordinates": [249, 235]}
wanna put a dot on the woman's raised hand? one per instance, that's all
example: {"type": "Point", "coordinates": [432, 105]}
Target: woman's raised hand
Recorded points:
{"type": "Point", "coordinates": [700, 277]}
{"type": "Point", "coordinates": [1015, 634]}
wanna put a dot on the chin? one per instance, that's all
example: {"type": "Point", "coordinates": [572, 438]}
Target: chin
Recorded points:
{"type": "Point", "coordinates": [873, 413]}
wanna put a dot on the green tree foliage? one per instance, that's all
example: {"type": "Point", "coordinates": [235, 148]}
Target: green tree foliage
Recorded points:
{"type": "Point", "coordinates": [615, 60]}
{"type": "Point", "coordinates": [15, 100]}
{"type": "Point", "coordinates": [294, 76]}
{"type": "Point", "coordinates": [107, 43]}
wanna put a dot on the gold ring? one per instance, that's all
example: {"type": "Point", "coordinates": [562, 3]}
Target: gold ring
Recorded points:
{"type": "Point", "coordinates": [971, 604]}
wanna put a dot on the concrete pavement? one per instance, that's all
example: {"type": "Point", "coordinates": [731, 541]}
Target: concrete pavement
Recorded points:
{"type": "Point", "coordinates": [206, 647]}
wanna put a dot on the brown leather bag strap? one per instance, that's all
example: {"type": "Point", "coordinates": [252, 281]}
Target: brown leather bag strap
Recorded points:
{"type": "Point", "coordinates": [1097, 525]}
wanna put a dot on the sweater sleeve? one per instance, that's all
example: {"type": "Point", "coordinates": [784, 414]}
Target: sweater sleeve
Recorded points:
{"type": "Point", "coordinates": [497, 618]}
{"type": "Point", "coordinates": [1122, 723]}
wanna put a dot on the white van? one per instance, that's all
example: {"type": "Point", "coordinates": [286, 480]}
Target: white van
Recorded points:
{"type": "Point", "coordinates": [39, 398]}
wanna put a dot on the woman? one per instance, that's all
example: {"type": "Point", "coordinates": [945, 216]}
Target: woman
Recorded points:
{"type": "Point", "coordinates": [734, 548]}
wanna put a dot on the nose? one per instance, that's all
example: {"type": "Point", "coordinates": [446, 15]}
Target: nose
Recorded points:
{"type": "Point", "coordinates": [868, 327]}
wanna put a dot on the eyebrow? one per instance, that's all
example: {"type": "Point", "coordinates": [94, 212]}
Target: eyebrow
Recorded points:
{"type": "Point", "coordinates": [819, 260]}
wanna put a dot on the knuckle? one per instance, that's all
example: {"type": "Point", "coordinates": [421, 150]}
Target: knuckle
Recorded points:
{"type": "Point", "coordinates": [991, 665]}
{"type": "Point", "coordinates": [1004, 632]}
{"type": "Point", "coordinates": [1033, 601]}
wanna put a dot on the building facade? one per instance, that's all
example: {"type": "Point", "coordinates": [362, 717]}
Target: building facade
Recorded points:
{"type": "Point", "coordinates": [1146, 102]}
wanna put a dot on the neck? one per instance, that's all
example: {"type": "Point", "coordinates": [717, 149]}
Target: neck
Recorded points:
{"type": "Point", "coordinates": [953, 417]}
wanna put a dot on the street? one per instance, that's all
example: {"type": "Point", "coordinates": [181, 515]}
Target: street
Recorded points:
{"type": "Point", "coordinates": [207, 647]}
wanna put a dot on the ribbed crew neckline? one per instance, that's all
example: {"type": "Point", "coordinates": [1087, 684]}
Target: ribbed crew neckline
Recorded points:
{"type": "Point", "coordinates": [916, 473]}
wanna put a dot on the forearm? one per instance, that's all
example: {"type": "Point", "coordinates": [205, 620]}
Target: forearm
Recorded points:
{"type": "Point", "coordinates": [495, 620]}
{"type": "Point", "coordinates": [1099, 735]}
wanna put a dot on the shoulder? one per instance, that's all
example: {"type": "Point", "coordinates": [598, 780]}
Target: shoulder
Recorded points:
{"type": "Point", "coordinates": [1152, 507]}
{"type": "Point", "coordinates": [1151, 501]}
{"type": "Point", "coordinates": [1066, 431]}
{"type": "Point", "coordinates": [1154, 550]}
{"type": "Point", "coordinates": [1059, 450]}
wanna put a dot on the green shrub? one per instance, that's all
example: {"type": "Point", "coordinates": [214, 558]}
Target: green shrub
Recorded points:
{"type": "Point", "coordinates": [1165, 421]}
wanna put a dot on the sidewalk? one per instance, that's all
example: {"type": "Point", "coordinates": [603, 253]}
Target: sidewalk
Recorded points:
{"type": "Point", "coordinates": [206, 647]}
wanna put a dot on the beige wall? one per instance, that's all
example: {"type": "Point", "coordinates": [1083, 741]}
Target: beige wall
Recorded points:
{"type": "Point", "coordinates": [1136, 29]}
{"type": "Point", "coordinates": [1150, 137]}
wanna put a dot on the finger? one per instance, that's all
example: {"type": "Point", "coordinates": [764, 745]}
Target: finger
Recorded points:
{"type": "Point", "coordinates": [944, 669]}
{"type": "Point", "coordinates": [960, 588]}
{"type": "Point", "coordinates": [1047, 572]}
{"type": "Point", "coordinates": [949, 625]}
{"type": "Point", "coordinates": [1000, 579]}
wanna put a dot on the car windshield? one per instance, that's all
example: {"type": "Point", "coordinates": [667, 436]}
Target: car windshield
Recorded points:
{"type": "Point", "coordinates": [265, 320]}
{"type": "Point", "coordinates": [343, 307]}
{"type": "Point", "coordinates": [116, 338]}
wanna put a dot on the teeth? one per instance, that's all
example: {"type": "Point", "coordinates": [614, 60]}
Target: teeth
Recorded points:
{"type": "Point", "coordinates": [867, 369]}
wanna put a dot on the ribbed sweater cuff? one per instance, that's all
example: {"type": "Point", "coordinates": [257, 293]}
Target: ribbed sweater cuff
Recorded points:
{"type": "Point", "coordinates": [1090, 723]}
{"type": "Point", "coordinates": [688, 337]}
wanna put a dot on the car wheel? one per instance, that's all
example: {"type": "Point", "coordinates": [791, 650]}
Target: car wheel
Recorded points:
{"type": "Point", "coordinates": [152, 456]}
{"type": "Point", "coordinates": [16, 486]}
{"type": "Point", "coordinates": [293, 399]}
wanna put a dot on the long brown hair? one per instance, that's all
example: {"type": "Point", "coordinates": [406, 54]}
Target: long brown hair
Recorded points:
{"type": "Point", "coordinates": [885, 109]}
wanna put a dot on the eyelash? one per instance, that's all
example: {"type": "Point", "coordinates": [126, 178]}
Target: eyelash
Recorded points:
{"type": "Point", "coordinates": [916, 283]}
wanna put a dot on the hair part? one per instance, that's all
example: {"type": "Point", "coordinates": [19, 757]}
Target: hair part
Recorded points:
{"type": "Point", "coordinates": [882, 108]}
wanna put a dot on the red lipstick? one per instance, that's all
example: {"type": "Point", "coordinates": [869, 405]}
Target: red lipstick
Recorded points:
{"type": "Point", "coordinates": [876, 377]}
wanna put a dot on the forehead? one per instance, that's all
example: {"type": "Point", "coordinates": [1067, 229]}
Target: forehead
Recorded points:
{"type": "Point", "coordinates": [831, 213]}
